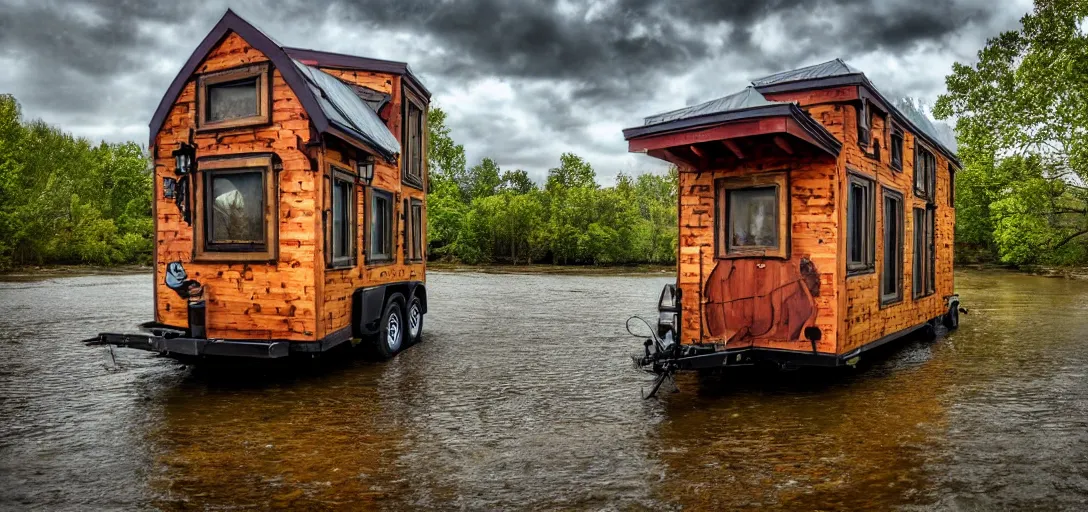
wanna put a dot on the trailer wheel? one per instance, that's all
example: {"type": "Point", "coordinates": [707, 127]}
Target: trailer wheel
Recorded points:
{"type": "Point", "coordinates": [414, 318]}
{"type": "Point", "coordinates": [390, 337]}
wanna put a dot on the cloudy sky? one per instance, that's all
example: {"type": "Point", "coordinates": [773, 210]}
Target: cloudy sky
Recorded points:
{"type": "Point", "coordinates": [522, 81]}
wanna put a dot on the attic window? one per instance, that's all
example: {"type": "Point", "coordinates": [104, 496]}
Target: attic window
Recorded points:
{"type": "Point", "coordinates": [897, 149]}
{"type": "Point", "coordinates": [233, 98]}
{"type": "Point", "coordinates": [864, 123]}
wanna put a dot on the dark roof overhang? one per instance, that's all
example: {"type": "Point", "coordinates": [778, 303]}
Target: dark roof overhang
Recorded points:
{"type": "Point", "coordinates": [764, 119]}
{"type": "Point", "coordinates": [869, 92]}
{"type": "Point", "coordinates": [341, 61]}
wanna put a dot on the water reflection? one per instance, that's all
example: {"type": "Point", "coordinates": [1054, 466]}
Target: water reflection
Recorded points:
{"type": "Point", "coordinates": [522, 396]}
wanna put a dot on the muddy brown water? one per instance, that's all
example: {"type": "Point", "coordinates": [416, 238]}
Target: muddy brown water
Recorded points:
{"type": "Point", "coordinates": [522, 396]}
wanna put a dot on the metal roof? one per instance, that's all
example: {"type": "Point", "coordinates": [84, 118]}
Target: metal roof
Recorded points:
{"type": "Point", "coordinates": [348, 111]}
{"type": "Point", "coordinates": [827, 69]}
{"type": "Point", "coordinates": [746, 98]}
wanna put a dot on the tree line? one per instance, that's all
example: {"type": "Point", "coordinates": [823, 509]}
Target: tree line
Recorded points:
{"type": "Point", "coordinates": [65, 200]}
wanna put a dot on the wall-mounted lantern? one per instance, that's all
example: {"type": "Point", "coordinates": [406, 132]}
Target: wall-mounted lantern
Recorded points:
{"type": "Point", "coordinates": [365, 168]}
{"type": "Point", "coordinates": [183, 159]}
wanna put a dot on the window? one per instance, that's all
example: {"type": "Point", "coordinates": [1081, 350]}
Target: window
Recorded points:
{"type": "Point", "coordinates": [897, 149]}
{"type": "Point", "coordinates": [864, 123]}
{"type": "Point", "coordinates": [413, 230]}
{"type": "Point", "coordinates": [860, 225]}
{"type": "Point", "coordinates": [891, 279]}
{"type": "Point", "coordinates": [752, 216]}
{"type": "Point", "coordinates": [951, 186]}
{"type": "Point", "coordinates": [233, 98]}
{"type": "Point", "coordinates": [341, 230]}
{"type": "Point", "coordinates": [412, 158]}
{"type": "Point", "coordinates": [236, 219]}
{"type": "Point", "coordinates": [923, 279]}
{"type": "Point", "coordinates": [925, 171]}
{"type": "Point", "coordinates": [381, 226]}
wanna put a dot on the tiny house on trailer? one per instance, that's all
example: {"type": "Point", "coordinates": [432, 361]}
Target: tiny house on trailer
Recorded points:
{"type": "Point", "coordinates": [290, 202]}
{"type": "Point", "coordinates": [816, 222]}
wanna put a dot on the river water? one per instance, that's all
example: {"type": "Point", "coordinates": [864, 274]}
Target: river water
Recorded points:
{"type": "Point", "coordinates": [522, 395]}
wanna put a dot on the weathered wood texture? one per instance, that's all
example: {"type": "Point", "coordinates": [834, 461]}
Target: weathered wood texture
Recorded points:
{"type": "Point", "coordinates": [863, 318]}
{"type": "Point", "coordinates": [763, 302]}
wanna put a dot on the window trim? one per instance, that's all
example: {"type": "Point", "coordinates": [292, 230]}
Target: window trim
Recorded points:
{"type": "Point", "coordinates": [777, 179]}
{"type": "Point", "coordinates": [924, 285]}
{"type": "Point", "coordinates": [407, 154]}
{"type": "Point", "coordinates": [207, 168]}
{"type": "Point", "coordinates": [864, 113]}
{"type": "Point", "coordinates": [897, 132]}
{"type": "Point", "coordinates": [413, 253]}
{"type": "Point", "coordinates": [868, 265]}
{"type": "Point", "coordinates": [392, 230]}
{"type": "Point", "coordinates": [952, 170]}
{"type": "Point", "coordinates": [887, 299]}
{"type": "Point", "coordinates": [929, 174]}
{"type": "Point", "coordinates": [264, 96]}
{"type": "Point", "coordinates": [332, 262]}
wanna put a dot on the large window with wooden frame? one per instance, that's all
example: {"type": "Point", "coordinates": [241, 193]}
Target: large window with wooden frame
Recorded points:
{"type": "Point", "coordinates": [891, 278]}
{"type": "Point", "coordinates": [925, 172]}
{"type": "Point", "coordinates": [233, 98]}
{"type": "Point", "coordinates": [924, 277]}
{"type": "Point", "coordinates": [341, 225]}
{"type": "Point", "coordinates": [414, 127]}
{"type": "Point", "coordinates": [753, 216]}
{"type": "Point", "coordinates": [381, 226]}
{"type": "Point", "coordinates": [236, 214]}
{"type": "Point", "coordinates": [413, 230]}
{"type": "Point", "coordinates": [897, 148]}
{"type": "Point", "coordinates": [860, 224]}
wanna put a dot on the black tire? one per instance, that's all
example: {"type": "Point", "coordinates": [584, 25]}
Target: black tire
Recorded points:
{"type": "Point", "coordinates": [928, 332]}
{"type": "Point", "coordinates": [413, 316]}
{"type": "Point", "coordinates": [390, 339]}
{"type": "Point", "coordinates": [952, 318]}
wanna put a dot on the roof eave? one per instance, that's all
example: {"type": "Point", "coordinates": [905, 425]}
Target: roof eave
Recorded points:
{"type": "Point", "coordinates": [345, 61]}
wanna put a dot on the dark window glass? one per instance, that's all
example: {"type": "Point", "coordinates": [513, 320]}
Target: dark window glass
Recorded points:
{"type": "Point", "coordinates": [931, 251]}
{"type": "Point", "coordinates": [924, 278]}
{"type": "Point", "coordinates": [864, 123]}
{"type": "Point", "coordinates": [417, 230]}
{"type": "Point", "coordinates": [753, 217]}
{"type": "Point", "coordinates": [233, 100]}
{"type": "Point", "coordinates": [897, 151]}
{"type": "Point", "coordinates": [343, 221]}
{"type": "Point", "coordinates": [925, 171]}
{"type": "Point", "coordinates": [237, 208]}
{"type": "Point", "coordinates": [413, 148]}
{"type": "Point", "coordinates": [381, 226]}
{"type": "Point", "coordinates": [951, 186]}
{"type": "Point", "coordinates": [892, 278]}
{"type": "Point", "coordinates": [860, 239]}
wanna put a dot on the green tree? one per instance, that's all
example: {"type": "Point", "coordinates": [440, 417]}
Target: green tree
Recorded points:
{"type": "Point", "coordinates": [517, 181]}
{"type": "Point", "coordinates": [483, 179]}
{"type": "Point", "coordinates": [1023, 138]}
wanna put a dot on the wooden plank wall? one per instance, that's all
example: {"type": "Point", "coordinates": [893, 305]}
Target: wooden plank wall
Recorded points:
{"type": "Point", "coordinates": [339, 284]}
{"type": "Point", "coordinates": [813, 201]}
{"type": "Point", "coordinates": [244, 300]}
{"type": "Point", "coordinates": [863, 319]}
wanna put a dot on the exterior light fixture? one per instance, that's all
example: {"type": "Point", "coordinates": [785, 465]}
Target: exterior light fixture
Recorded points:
{"type": "Point", "coordinates": [183, 159]}
{"type": "Point", "coordinates": [365, 168]}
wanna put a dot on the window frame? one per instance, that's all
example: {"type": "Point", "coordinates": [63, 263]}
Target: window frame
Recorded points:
{"type": "Point", "coordinates": [414, 249]}
{"type": "Point", "coordinates": [952, 170]}
{"type": "Point", "coordinates": [868, 263]}
{"type": "Point", "coordinates": [390, 256]}
{"type": "Point", "coordinates": [779, 180]}
{"type": "Point", "coordinates": [208, 168]}
{"type": "Point", "coordinates": [262, 72]}
{"type": "Point", "coordinates": [923, 278]}
{"type": "Point", "coordinates": [864, 113]}
{"type": "Point", "coordinates": [332, 261]}
{"type": "Point", "coordinates": [413, 151]}
{"type": "Point", "coordinates": [897, 141]}
{"type": "Point", "coordinates": [897, 196]}
{"type": "Point", "coordinates": [925, 167]}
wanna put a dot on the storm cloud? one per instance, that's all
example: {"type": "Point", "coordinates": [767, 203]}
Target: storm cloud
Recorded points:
{"type": "Point", "coordinates": [522, 81]}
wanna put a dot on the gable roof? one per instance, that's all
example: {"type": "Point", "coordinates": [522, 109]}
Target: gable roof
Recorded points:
{"type": "Point", "coordinates": [313, 91]}
{"type": "Point", "coordinates": [746, 98]}
{"type": "Point", "coordinates": [342, 61]}
{"type": "Point", "coordinates": [837, 73]}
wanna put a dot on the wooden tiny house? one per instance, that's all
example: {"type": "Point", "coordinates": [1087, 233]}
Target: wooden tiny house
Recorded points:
{"type": "Point", "coordinates": [816, 220]}
{"type": "Point", "coordinates": [290, 201]}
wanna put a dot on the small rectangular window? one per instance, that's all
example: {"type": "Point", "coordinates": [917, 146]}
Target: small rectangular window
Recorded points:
{"type": "Point", "coordinates": [342, 212]}
{"type": "Point", "coordinates": [897, 149]}
{"type": "Point", "coordinates": [412, 157]}
{"type": "Point", "coordinates": [381, 226]}
{"type": "Point", "coordinates": [860, 225]}
{"type": "Point", "coordinates": [864, 123]}
{"type": "Point", "coordinates": [414, 230]}
{"type": "Point", "coordinates": [235, 216]}
{"type": "Point", "coordinates": [891, 280]}
{"type": "Point", "coordinates": [925, 170]}
{"type": "Point", "coordinates": [752, 214]}
{"type": "Point", "coordinates": [951, 186]}
{"type": "Point", "coordinates": [233, 98]}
